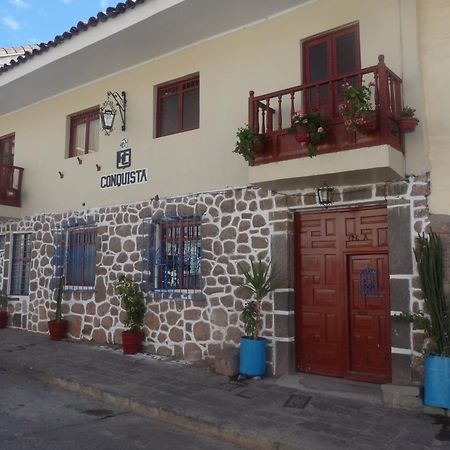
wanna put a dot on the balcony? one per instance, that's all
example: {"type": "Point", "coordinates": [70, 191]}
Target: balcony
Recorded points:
{"type": "Point", "coordinates": [282, 157]}
{"type": "Point", "coordinates": [11, 185]}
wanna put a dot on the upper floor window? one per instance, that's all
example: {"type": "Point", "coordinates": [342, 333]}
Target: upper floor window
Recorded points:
{"type": "Point", "coordinates": [333, 55]}
{"type": "Point", "coordinates": [20, 264]}
{"type": "Point", "coordinates": [178, 106]}
{"type": "Point", "coordinates": [84, 132]}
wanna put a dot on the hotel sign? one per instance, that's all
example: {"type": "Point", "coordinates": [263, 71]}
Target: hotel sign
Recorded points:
{"type": "Point", "coordinates": [125, 178]}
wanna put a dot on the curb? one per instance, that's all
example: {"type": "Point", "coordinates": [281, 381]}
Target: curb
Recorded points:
{"type": "Point", "coordinates": [230, 433]}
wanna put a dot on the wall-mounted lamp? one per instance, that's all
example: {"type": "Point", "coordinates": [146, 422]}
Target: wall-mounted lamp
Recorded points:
{"type": "Point", "coordinates": [108, 111]}
{"type": "Point", "coordinates": [325, 195]}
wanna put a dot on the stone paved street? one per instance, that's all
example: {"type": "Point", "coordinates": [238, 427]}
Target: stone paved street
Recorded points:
{"type": "Point", "coordinates": [37, 416]}
{"type": "Point", "coordinates": [253, 414]}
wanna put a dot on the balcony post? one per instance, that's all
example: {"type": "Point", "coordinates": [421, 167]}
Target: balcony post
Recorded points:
{"type": "Point", "coordinates": [251, 111]}
{"type": "Point", "coordinates": [383, 97]}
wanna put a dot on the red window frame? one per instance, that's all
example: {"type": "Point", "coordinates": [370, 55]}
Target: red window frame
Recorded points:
{"type": "Point", "coordinates": [87, 116]}
{"type": "Point", "coordinates": [176, 88]}
{"type": "Point", "coordinates": [329, 38]}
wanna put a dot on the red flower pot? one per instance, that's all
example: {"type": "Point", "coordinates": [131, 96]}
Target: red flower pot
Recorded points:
{"type": "Point", "coordinates": [131, 342]}
{"type": "Point", "coordinates": [301, 134]}
{"type": "Point", "coordinates": [3, 319]}
{"type": "Point", "coordinates": [57, 330]}
{"type": "Point", "coordinates": [407, 124]}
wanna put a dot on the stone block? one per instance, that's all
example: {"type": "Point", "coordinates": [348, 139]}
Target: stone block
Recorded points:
{"type": "Point", "coordinates": [227, 362]}
{"type": "Point", "coordinates": [399, 292]}
{"type": "Point", "coordinates": [402, 396]}
{"type": "Point", "coordinates": [284, 301]}
{"type": "Point", "coordinates": [399, 237]}
{"type": "Point", "coordinates": [401, 335]}
{"type": "Point", "coordinates": [283, 258]}
{"type": "Point", "coordinates": [358, 193]}
{"type": "Point", "coordinates": [284, 325]}
{"type": "Point", "coordinates": [285, 358]}
{"type": "Point", "coordinates": [401, 369]}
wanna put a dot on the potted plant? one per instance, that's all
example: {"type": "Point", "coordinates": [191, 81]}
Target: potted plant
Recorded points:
{"type": "Point", "coordinates": [58, 326]}
{"type": "Point", "coordinates": [248, 143]}
{"type": "Point", "coordinates": [357, 110]}
{"type": "Point", "coordinates": [309, 128]}
{"type": "Point", "coordinates": [133, 303]}
{"type": "Point", "coordinates": [434, 320]}
{"type": "Point", "coordinates": [259, 281]}
{"type": "Point", "coordinates": [3, 311]}
{"type": "Point", "coordinates": [407, 122]}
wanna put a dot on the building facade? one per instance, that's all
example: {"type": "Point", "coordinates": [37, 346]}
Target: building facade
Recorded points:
{"type": "Point", "coordinates": [166, 201]}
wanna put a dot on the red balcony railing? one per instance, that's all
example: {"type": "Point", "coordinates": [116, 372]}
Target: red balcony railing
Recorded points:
{"type": "Point", "coordinates": [270, 114]}
{"type": "Point", "coordinates": [10, 185]}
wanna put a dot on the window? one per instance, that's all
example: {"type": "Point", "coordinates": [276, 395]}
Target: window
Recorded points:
{"type": "Point", "coordinates": [173, 254]}
{"type": "Point", "coordinates": [329, 56]}
{"type": "Point", "coordinates": [84, 132]}
{"type": "Point", "coordinates": [178, 106]}
{"type": "Point", "coordinates": [74, 257]}
{"type": "Point", "coordinates": [20, 264]}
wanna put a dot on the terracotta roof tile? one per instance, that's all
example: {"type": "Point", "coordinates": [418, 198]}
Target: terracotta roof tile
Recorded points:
{"type": "Point", "coordinates": [32, 50]}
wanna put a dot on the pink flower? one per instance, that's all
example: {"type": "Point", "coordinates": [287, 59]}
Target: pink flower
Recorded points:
{"type": "Point", "coordinates": [305, 121]}
{"type": "Point", "coordinates": [300, 112]}
{"type": "Point", "coordinates": [320, 130]}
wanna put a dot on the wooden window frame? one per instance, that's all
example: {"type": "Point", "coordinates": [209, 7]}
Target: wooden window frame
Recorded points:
{"type": "Point", "coordinates": [330, 37]}
{"type": "Point", "coordinates": [178, 86]}
{"type": "Point", "coordinates": [85, 116]}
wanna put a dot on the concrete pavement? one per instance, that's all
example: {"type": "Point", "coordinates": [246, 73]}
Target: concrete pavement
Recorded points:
{"type": "Point", "coordinates": [257, 414]}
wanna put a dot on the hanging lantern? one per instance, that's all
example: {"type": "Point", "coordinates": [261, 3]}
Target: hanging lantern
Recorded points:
{"type": "Point", "coordinates": [108, 111]}
{"type": "Point", "coordinates": [325, 195]}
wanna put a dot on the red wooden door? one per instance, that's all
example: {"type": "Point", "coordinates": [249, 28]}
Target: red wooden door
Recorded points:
{"type": "Point", "coordinates": [369, 315]}
{"type": "Point", "coordinates": [340, 332]}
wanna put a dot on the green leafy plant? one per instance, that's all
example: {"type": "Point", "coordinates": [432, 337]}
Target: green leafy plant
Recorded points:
{"type": "Point", "coordinates": [133, 303]}
{"type": "Point", "coordinates": [59, 296]}
{"type": "Point", "coordinates": [313, 124]}
{"type": "Point", "coordinates": [248, 143]}
{"type": "Point", "coordinates": [357, 108]}
{"type": "Point", "coordinates": [434, 320]}
{"type": "Point", "coordinates": [407, 113]}
{"type": "Point", "coordinates": [3, 300]}
{"type": "Point", "coordinates": [260, 280]}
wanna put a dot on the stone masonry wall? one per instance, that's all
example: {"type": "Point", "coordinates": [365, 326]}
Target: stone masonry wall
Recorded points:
{"type": "Point", "coordinates": [237, 224]}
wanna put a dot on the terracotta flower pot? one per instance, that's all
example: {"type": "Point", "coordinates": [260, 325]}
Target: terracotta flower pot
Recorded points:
{"type": "Point", "coordinates": [131, 342]}
{"type": "Point", "coordinates": [57, 329]}
{"type": "Point", "coordinates": [407, 124]}
{"type": "Point", "coordinates": [301, 134]}
{"type": "Point", "coordinates": [3, 319]}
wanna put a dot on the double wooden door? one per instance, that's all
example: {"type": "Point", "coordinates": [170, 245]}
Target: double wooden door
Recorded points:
{"type": "Point", "coordinates": [342, 300]}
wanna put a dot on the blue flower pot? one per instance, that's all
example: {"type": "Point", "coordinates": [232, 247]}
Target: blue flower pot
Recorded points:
{"type": "Point", "coordinates": [437, 381]}
{"type": "Point", "coordinates": [252, 359]}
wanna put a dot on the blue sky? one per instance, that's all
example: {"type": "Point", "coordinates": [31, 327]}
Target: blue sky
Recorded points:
{"type": "Point", "coordinates": [34, 21]}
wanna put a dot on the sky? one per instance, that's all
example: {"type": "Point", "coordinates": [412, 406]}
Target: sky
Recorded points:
{"type": "Point", "coordinates": [25, 22]}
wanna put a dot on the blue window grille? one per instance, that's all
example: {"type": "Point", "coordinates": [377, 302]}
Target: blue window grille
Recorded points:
{"type": "Point", "coordinates": [368, 283]}
{"type": "Point", "coordinates": [20, 264]}
{"type": "Point", "coordinates": [74, 256]}
{"type": "Point", "coordinates": [171, 254]}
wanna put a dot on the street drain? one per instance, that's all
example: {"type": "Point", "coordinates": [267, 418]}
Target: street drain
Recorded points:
{"type": "Point", "coordinates": [297, 401]}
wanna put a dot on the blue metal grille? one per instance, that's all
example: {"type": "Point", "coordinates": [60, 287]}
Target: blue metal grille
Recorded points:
{"type": "Point", "coordinates": [74, 256]}
{"type": "Point", "coordinates": [368, 283]}
{"type": "Point", "coordinates": [172, 254]}
{"type": "Point", "coordinates": [20, 264]}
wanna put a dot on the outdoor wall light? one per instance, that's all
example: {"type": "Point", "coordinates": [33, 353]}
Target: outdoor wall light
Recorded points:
{"type": "Point", "coordinates": [325, 195]}
{"type": "Point", "coordinates": [108, 111]}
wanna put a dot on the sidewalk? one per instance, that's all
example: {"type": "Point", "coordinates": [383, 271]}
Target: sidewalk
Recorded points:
{"type": "Point", "coordinates": [255, 414]}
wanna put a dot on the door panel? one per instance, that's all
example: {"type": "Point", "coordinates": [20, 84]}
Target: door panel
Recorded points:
{"type": "Point", "coordinates": [369, 315]}
{"type": "Point", "coordinates": [342, 330]}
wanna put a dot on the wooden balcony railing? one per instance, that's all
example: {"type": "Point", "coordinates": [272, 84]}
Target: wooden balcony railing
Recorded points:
{"type": "Point", "coordinates": [11, 185]}
{"type": "Point", "coordinates": [270, 114]}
